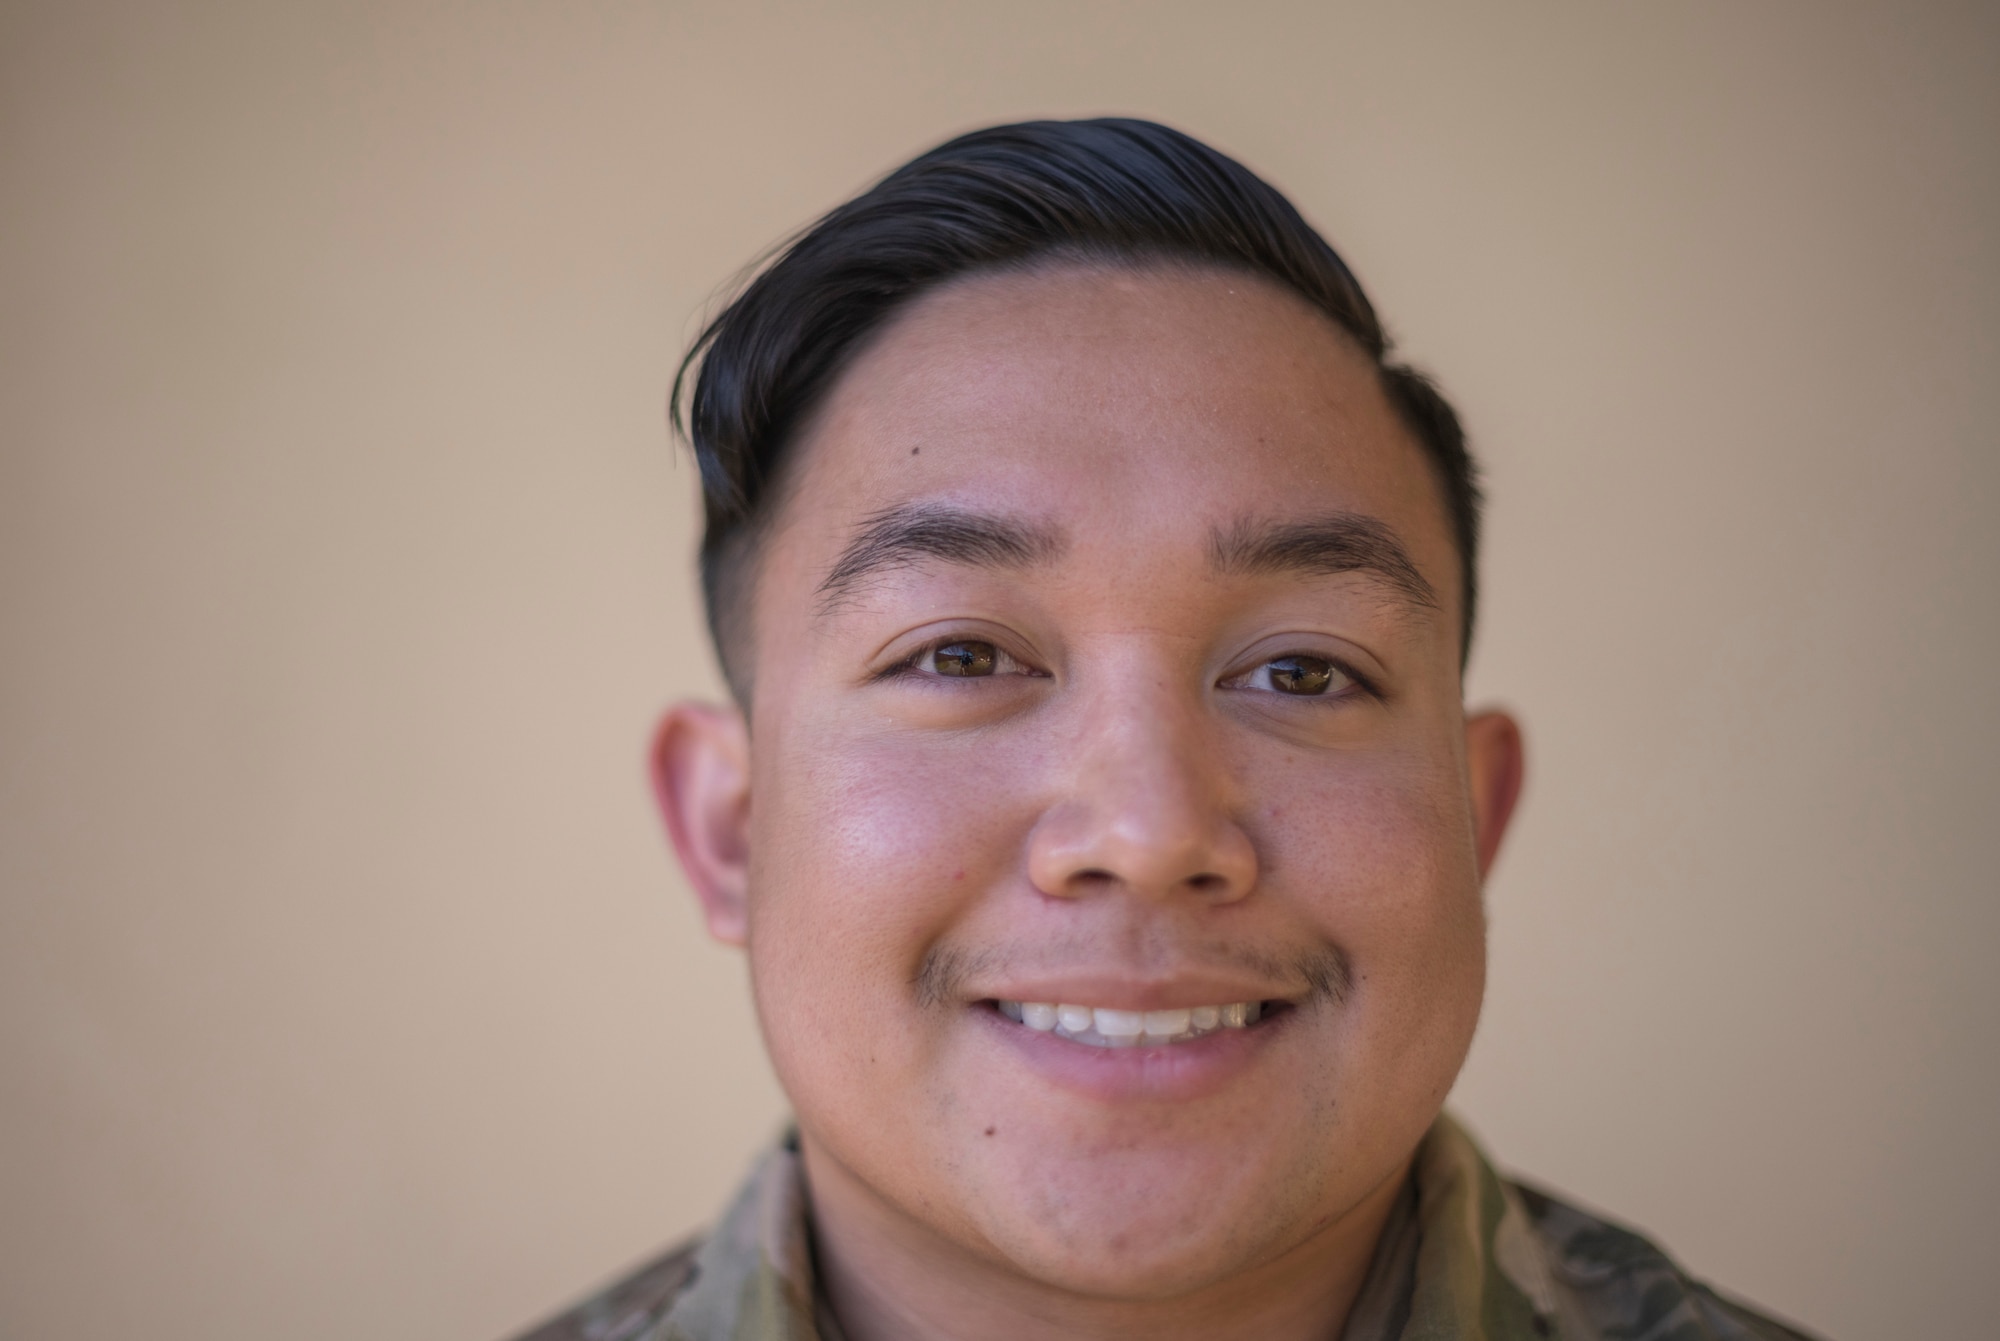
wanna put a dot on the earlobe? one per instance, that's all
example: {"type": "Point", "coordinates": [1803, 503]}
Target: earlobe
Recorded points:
{"type": "Point", "coordinates": [1496, 763]}
{"type": "Point", "coordinates": [701, 780]}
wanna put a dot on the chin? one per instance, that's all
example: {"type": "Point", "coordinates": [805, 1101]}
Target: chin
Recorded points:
{"type": "Point", "coordinates": [1139, 1222]}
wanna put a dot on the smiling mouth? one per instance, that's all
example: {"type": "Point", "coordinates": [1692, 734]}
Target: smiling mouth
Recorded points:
{"type": "Point", "coordinates": [1106, 1027]}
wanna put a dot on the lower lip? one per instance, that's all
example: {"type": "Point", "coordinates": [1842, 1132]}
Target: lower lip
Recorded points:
{"type": "Point", "coordinates": [1169, 1071]}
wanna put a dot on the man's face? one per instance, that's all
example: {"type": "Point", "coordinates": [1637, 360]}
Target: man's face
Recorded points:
{"type": "Point", "coordinates": [1105, 656]}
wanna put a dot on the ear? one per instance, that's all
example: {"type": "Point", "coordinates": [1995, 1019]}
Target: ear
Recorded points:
{"type": "Point", "coordinates": [701, 779]}
{"type": "Point", "coordinates": [1495, 760]}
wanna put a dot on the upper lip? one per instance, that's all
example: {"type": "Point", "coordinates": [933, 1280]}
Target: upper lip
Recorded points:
{"type": "Point", "coordinates": [1129, 992]}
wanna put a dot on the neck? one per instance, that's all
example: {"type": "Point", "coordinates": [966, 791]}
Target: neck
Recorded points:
{"type": "Point", "coordinates": [890, 1277]}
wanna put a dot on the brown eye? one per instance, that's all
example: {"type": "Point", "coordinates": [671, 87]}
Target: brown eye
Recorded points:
{"type": "Point", "coordinates": [964, 658]}
{"type": "Point", "coordinates": [1301, 675]}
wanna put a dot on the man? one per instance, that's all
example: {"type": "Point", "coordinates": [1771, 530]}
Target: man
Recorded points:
{"type": "Point", "coordinates": [1097, 806]}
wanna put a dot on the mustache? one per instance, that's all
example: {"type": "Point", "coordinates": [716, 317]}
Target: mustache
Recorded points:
{"type": "Point", "coordinates": [1324, 971]}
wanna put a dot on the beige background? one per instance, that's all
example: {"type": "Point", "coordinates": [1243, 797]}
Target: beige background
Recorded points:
{"type": "Point", "coordinates": [346, 989]}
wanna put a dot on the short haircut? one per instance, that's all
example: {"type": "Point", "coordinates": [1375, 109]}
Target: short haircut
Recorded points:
{"type": "Point", "coordinates": [1113, 191]}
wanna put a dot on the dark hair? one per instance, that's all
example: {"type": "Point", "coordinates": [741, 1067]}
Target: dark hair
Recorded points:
{"type": "Point", "coordinates": [1115, 190]}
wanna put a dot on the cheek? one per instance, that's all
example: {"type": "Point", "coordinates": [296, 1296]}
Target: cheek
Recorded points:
{"type": "Point", "coordinates": [1384, 832]}
{"type": "Point", "coordinates": [861, 861]}
{"type": "Point", "coordinates": [1379, 855]}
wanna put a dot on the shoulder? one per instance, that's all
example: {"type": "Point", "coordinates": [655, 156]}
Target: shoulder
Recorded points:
{"type": "Point", "coordinates": [1625, 1286]}
{"type": "Point", "coordinates": [629, 1308]}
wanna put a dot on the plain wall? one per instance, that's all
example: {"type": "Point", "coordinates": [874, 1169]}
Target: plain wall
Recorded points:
{"type": "Point", "coordinates": [346, 986]}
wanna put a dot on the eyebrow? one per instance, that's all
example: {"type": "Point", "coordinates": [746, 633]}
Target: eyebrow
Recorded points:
{"type": "Point", "coordinates": [910, 533]}
{"type": "Point", "coordinates": [1342, 542]}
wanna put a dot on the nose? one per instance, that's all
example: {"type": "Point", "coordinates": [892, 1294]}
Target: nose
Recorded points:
{"type": "Point", "coordinates": [1143, 806]}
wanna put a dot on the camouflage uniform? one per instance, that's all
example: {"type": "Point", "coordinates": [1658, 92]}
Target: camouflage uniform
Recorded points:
{"type": "Point", "coordinates": [1465, 1256]}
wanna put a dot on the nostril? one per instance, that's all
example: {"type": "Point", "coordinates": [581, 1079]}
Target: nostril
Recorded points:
{"type": "Point", "coordinates": [1207, 883]}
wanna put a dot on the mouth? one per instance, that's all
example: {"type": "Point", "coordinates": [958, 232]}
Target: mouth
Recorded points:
{"type": "Point", "coordinates": [1114, 1027]}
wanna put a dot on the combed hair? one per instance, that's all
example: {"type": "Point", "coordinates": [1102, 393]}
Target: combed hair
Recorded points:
{"type": "Point", "coordinates": [1114, 190]}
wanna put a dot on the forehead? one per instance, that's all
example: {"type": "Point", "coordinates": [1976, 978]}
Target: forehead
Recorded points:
{"type": "Point", "coordinates": [1119, 402]}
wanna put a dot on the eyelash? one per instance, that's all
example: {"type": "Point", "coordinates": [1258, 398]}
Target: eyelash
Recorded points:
{"type": "Point", "coordinates": [1359, 685]}
{"type": "Point", "coordinates": [1362, 685]}
{"type": "Point", "coordinates": [908, 666]}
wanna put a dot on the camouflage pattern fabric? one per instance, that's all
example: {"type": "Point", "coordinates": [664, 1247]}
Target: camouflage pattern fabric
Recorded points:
{"type": "Point", "coordinates": [1465, 1256]}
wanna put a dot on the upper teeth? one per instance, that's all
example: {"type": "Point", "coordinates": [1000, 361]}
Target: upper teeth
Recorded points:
{"type": "Point", "coordinates": [1104, 1027]}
